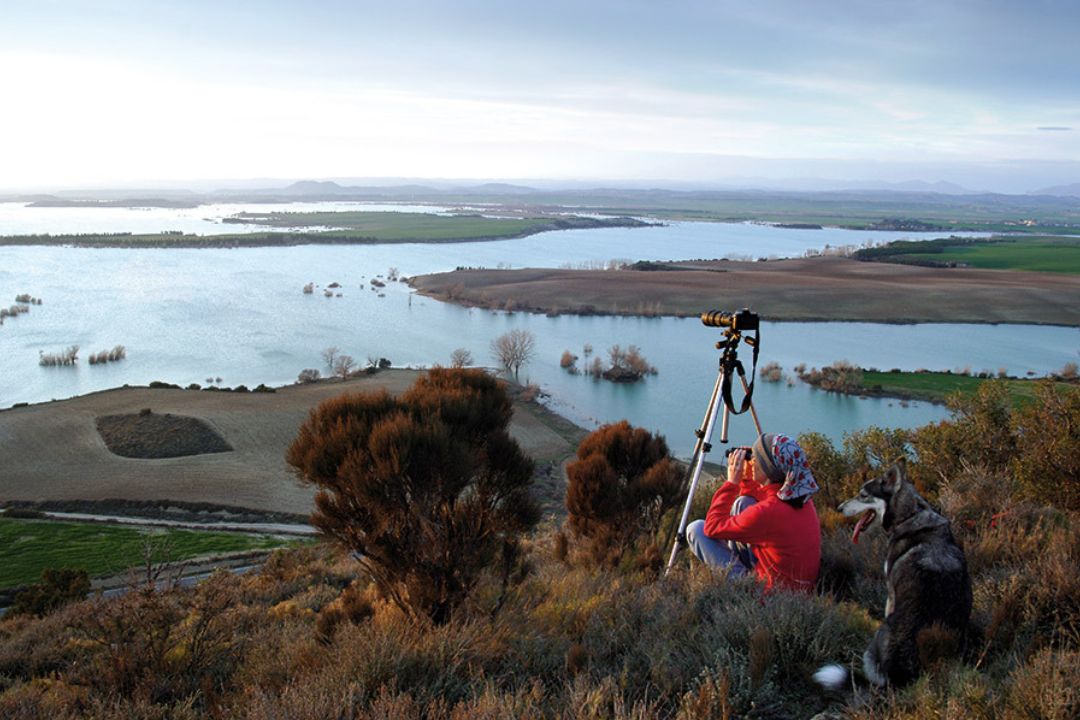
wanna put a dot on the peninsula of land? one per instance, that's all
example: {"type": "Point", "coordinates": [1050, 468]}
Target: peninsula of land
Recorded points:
{"type": "Point", "coordinates": [805, 289]}
{"type": "Point", "coordinates": [358, 228]}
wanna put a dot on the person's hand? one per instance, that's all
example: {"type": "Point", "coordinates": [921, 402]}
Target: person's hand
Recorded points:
{"type": "Point", "coordinates": [737, 464]}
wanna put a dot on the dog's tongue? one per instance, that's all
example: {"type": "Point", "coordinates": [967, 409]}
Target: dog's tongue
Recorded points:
{"type": "Point", "coordinates": [864, 520]}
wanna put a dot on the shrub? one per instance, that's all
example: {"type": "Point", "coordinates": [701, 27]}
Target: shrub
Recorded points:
{"type": "Point", "coordinates": [567, 360]}
{"type": "Point", "coordinates": [58, 587]}
{"type": "Point", "coordinates": [307, 376]}
{"type": "Point", "coordinates": [428, 489]}
{"type": "Point", "coordinates": [841, 376]}
{"type": "Point", "coordinates": [65, 358]}
{"type": "Point", "coordinates": [1047, 458]}
{"type": "Point", "coordinates": [618, 489]}
{"type": "Point", "coordinates": [978, 433]}
{"type": "Point", "coordinates": [771, 372]}
{"type": "Point", "coordinates": [461, 358]}
{"type": "Point", "coordinates": [23, 513]}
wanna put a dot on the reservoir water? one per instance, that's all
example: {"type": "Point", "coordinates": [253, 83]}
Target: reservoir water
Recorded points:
{"type": "Point", "coordinates": [188, 315]}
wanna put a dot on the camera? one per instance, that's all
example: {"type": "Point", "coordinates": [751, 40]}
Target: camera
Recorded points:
{"type": "Point", "coordinates": [739, 321]}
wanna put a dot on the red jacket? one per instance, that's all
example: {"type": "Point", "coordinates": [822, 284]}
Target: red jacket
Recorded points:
{"type": "Point", "coordinates": [786, 541]}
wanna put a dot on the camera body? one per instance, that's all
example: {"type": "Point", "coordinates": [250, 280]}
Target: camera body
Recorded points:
{"type": "Point", "coordinates": [738, 321]}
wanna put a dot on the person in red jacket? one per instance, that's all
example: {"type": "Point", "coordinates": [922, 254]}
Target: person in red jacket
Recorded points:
{"type": "Point", "coordinates": [762, 520]}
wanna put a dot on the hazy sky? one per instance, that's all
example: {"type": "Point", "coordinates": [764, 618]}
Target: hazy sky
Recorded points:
{"type": "Point", "coordinates": [113, 92]}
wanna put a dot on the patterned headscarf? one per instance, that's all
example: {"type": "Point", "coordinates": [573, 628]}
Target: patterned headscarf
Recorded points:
{"type": "Point", "coordinates": [781, 459]}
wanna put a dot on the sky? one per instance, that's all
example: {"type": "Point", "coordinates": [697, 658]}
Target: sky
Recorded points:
{"type": "Point", "coordinates": [982, 93]}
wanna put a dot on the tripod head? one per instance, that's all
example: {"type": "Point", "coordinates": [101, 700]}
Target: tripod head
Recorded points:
{"type": "Point", "coordinates": [734, 324]}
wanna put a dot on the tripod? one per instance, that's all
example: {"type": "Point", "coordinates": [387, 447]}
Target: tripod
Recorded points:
{"type": "Point", "coordinates": [721, 394]}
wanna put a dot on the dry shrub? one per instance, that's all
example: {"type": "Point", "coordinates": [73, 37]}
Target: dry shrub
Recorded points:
{"type": "Point", "coordinates": [853, 572]}
{"type": "Point", "coordinates": [841, 377]}
{"type": "Point", "coordinates": [771, 372]}
{"type": "Point", "coordinates": [426, 489]}
{"type": "Point", "coordinates": [354, 605]}
{"type": "Point", "coordinates": [979, 433]}
{"type": "Point", "coordinates": [619, 487]}
{"type": "Point", "coordinates": [1047, 686]}
{"type": "Point", "coordinates": [1047, 459]}
{"type": "Point", "coordinates": [44, 698]}
{"type": "Point", "coordinates": [58, 586]}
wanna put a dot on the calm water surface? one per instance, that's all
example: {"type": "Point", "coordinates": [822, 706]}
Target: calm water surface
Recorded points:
{"type": "Point", "coordinates": [186, 315]}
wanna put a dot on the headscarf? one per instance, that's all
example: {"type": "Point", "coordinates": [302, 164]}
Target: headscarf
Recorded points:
{"type": "Point", "coordinates": [782, 460]}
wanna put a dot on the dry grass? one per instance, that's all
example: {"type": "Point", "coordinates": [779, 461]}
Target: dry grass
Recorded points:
{"type": "Point", "coordinates": [307, 638]}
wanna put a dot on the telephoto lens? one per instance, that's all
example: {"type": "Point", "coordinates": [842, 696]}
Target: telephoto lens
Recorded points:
{"type": "Point", "coordinates": [742, 320]}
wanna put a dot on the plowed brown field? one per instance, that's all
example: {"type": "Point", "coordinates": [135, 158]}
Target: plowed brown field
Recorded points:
{"type": "Point", "coordinates": [53, 451]}
{"type": "Point", "coordinates": [822, 288]}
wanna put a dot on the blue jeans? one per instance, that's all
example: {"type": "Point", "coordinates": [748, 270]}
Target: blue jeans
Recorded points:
{"type": "Point", "coordinates": [735, 556]}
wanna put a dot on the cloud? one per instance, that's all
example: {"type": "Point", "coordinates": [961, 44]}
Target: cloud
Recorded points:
{"type": "Point", "coordinates": [1054, 128]}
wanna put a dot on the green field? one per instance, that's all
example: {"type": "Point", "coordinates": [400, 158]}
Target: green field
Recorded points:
{"type": "Point", "coordinates": [29, 546]}
{"type": "Point", "coordinates": [937, 386]}
{"type": "Point", "coordinates": [390, 226]}
{"type": "Point", "coordinates": [349, 228]}
{"type": "Point", "coordinates": [1039, 254]}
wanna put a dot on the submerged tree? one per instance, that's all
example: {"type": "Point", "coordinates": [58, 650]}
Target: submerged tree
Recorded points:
{"type": "Point", "coordinates": [514, 349]}
{"type": "Point", "coordinates": [427, 489]}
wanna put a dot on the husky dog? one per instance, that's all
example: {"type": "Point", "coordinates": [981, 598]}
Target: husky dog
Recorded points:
{"type": "Point", "coordinates": [925, 573]}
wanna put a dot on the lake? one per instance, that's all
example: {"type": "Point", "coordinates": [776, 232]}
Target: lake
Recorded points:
{"type": "Point", "coordinates": [187, 315]}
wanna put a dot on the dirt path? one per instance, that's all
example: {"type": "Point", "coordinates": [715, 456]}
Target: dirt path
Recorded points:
{"type": "Point", "coordinates": [822, 288]}
{"type": "Point", "coordinates": [52, 451]}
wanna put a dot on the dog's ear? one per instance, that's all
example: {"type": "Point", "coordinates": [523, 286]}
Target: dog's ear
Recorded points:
{"type": "Point", "coordinates": [895, 475]}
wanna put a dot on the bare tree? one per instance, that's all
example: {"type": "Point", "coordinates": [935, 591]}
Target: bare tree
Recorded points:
{"type": "Point", "coordinates": [514, 349]}
{"type": "Point", "coordinates": [328, 356]}
{"type": "Point", "coordinates": [343, 366]}
{"type": "Point", "coordinates": [461, 358]}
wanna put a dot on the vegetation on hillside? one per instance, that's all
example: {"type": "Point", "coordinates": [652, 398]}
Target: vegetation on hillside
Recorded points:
{"type": "Point", "coordinates": [573, 637]}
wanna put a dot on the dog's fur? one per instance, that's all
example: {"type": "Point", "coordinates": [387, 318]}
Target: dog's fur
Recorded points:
{"type": "Point", "coordinates": [925, 573]}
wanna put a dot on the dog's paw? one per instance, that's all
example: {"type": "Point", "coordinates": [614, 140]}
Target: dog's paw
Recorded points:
{"type": "Point", "coordinates": [831, 677]}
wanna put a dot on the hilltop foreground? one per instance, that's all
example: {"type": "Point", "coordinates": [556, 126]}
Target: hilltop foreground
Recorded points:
{"type": "Point", "coordinates": [558, 633]}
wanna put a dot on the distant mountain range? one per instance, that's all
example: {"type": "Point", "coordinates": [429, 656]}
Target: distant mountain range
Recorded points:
{"type": "Point", "coordinates": [1070, 190]}
{"type": "Point", "coordinates": [909, 198]}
